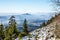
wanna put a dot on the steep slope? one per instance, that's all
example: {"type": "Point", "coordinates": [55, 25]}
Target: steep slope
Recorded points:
{"type": "Point", "coordinates": [49, 32]}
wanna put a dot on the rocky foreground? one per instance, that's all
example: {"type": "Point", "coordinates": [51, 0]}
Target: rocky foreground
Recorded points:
{"type": "Point", "coordinates": [44, 33]}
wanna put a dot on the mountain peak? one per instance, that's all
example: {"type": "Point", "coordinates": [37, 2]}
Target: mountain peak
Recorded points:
{"type": "Point", "coordinates": [26, 14]}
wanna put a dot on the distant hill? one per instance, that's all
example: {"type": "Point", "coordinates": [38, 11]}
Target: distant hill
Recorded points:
{"type": "Point", "coordinates": [26, 14]}
{"type": "Point", "coordinates": [33, 20]}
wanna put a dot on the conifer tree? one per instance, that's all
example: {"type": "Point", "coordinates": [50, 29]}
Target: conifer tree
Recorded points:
{"type": "Point", "coordinates": [1, 32]}
{"type": "Point", "coordinates": [12, 24]}
{"type": "Point", "coordinates": [25, 28]}
{"type": "Point", "coordinates": [11, 30]}
{"type": "Point", "coordinates": [6, 33]}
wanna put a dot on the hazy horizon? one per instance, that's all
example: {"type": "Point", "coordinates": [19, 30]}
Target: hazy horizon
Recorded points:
{"type": "Point", "coordinates": [8, 7]}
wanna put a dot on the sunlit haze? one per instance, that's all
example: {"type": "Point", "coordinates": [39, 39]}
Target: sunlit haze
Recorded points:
{"type": "Point", "coordinates": [24, 6]}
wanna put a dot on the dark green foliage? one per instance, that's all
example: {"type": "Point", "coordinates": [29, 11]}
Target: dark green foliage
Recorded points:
{"type": "Point", "coordinates": [49, 21]}
{"type": "Point", "coordinates": [25, 29]}
{"type": "Point", "coordinates": [52, 18]}
{"type": "Point", "coordinates": [12, 24]}
{"type": "Point", "coordinates": [11, 30]}
{"type": "Point", "coordinates": [1, 32]}
{"type": "Point", "coordinates": [43, 24]}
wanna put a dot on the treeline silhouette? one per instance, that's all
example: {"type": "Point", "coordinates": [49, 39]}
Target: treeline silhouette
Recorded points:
{"type": "Point", "coordinates": [10, 32]}
{"type": "Point", "coordinates": [49, 21]}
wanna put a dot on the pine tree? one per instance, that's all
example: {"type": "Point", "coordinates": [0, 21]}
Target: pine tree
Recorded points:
{"type": "Point", "coordinates": [11, 30]}
{"type": "Point", "coordinates": [12, 27]}
{"type": "Point", "coordinates": [1, 32]}
{"type": "Point", "coordinates": [7, 34]}
{"type": "Point", "coordinates": [25, 28]}
{"type": "Point", "coordinates": [12, 24]}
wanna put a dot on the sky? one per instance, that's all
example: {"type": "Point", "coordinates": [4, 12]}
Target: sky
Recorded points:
{"type": "Point", "coordinates": [24, 6]}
